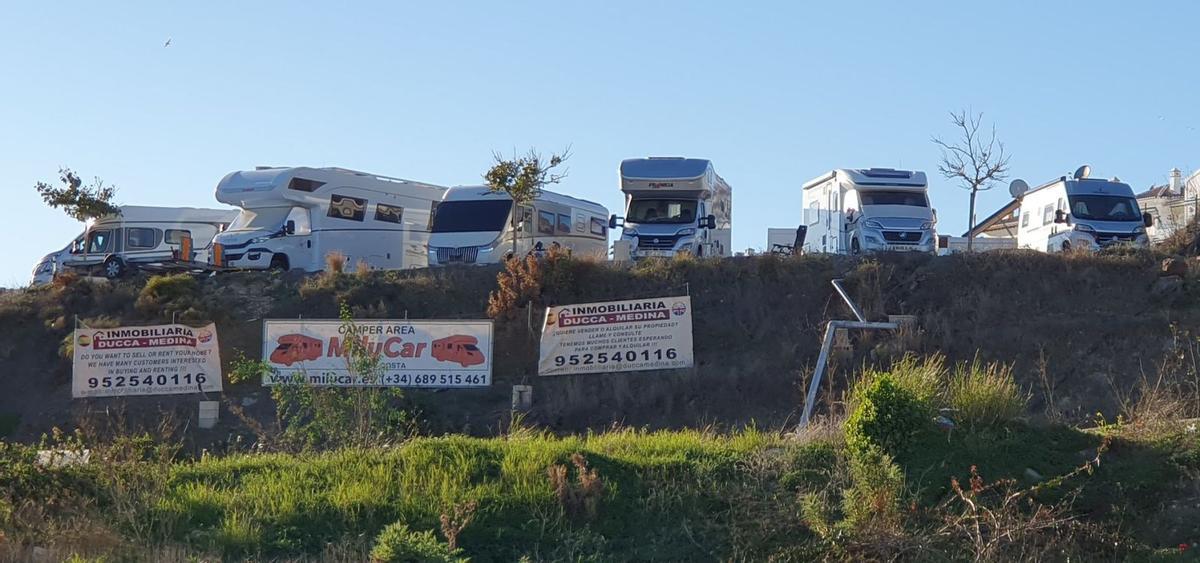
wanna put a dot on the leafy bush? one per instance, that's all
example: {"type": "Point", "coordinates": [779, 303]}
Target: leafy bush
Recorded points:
{"type": "Point", "coordinates": [872, 503]}
{"type": "Point", "coordinates": [985, 394]}
{"type": "Point", "coordinates": [886, 416]}
{"type": "Point", "coordinates": [163, 295]}
{"type": "Point", "coordinates": [397, 544]}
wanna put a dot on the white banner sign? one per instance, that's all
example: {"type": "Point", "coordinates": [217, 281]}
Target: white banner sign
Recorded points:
{"type": "Point", "coordinates": [642, 334]}
{"type": "Point", "coordinates": [145, 360]}
{"type": "Point", "coordinates": [410, 353]}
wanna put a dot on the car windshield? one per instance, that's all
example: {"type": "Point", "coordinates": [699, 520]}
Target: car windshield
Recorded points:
{"type": "Point", "coordinates": [1104, 208]}
{"type": "Point", "coordinates": [662, 211]}
{"type": "Point", "coordinates": [261, 219]}
{"type": "Point", "coordinates": [914, 199]}
{"type": "Point", "coordinates": [484, 215]}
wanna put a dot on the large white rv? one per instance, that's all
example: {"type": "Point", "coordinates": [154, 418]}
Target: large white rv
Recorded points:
{"type": "Point", "coordinates": [138, 236]}
{"type": "Point", "coordinates": [872, 210]}
{"type": "Point", "coordinates": [1080, 213]}
{"type": "Point", "coordinates": [473, 225]}
{"type": "Point", "coordinates": [292, 218]}
{"type": "Point", "coordinates": [675, 204]}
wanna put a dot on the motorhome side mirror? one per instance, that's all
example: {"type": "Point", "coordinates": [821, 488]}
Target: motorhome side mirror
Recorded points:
{"type": "Point", "coordinates": [1147, 219]}
{"type": "Point", "coordinates": [289, 227]}
{"type": "Point", "coordinates": [1060, 216]}
{"type": "Point", "coordinates": [710, 222]}
{"type": "Point", "coordinates": [934, 215]}
{"type": "Point", "coordinates": [614, 222]}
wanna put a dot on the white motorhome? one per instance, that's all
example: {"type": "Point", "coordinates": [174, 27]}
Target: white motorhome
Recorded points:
{"type": "Point", "coordinates": [473, 225]}
{"type": "Point", "coordinates": [292, 218]}
{"type": "Point", "coordinates": [139, 236]}
{"type": "Point", "coordinates": [869, 210]}
{"type": "Point", "coordinates": [675, 204]}
{"type": "Point", "coordinates": [1079, 213]}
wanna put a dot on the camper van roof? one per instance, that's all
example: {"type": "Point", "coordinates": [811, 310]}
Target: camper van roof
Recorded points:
{"type": "Point", "coordinates": [150, 214]}
{"type": "Point", "coordinates": [1086, 185]}
{"type": "Point", "coordinates": [873, 177]}
{"type": "Point", "coordinates": [469, 193]}
{"type": "Point", "coordinates": [664, 168]}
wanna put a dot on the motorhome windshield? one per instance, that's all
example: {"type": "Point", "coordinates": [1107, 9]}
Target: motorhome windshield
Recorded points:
{"type": "Point", "coordinates": [662, 211]}
{"type": "Point", "coordinates": [914, 199]}
{"type": "Point", "coordinates": [1104, 208]}
{"type": "Point", "coordinates": [478, 216]}
{"type": "Point", "coordinates": [261, 219]}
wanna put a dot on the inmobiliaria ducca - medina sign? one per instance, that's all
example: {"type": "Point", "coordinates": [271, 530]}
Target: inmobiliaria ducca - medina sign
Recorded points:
{"type": "Point", "coordinates": [409, 353]}
{"type": "Point", "coordinates": [642, 334]}
{"type": "Point", "coordinates": [145, 360]}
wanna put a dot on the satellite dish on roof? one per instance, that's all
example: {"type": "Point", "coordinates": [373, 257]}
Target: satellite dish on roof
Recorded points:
{"type": "Point", "coordinates": [1083, 172]}
{"type": "Point", "coordinates": [1018, 188]}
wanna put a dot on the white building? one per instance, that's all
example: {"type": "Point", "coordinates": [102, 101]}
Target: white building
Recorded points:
{"type": "Point", "coordinates": [1173, 205]}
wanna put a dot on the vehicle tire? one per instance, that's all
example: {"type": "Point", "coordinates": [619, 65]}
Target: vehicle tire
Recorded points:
{"type": "Point", "coordinates": [280, 262]}
{"type": "Point", "coordinates": [115, 267]}
{"type": "Point", "coordinates": [1066, 246]}
{"type": "Point", "coordinates": [855, 249]}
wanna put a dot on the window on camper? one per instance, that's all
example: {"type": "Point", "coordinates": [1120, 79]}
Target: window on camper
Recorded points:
{"type": "Point", "coordinates": [269, 219]}
{"type": "Point", "coordinates": [475, 216]}
{"type": "Point", "coordinates": [545, 224]}
{"type": "Point", "coordinates": [662, 211]}
{"type": "Point", "coordinates": [1048, 214]}
{"type": "Point", "coordinates": [564, 224]}
{"type": "Point", "coordinates": [913, 199]}
{"type": "Point", "coordinates": [389, 213]}
{"type": "Point", "coordinates": [176, 236]}
{"type": "Point", "coordinates": [1104, 208]}
{"type": "Point", "coordinates": [299, 216]}
{"type": "Point", "coordinates": [346, 207]}
{"type": "Point", "coordinates": [1025, 219]}
{"type": "Point", "coordinates": [304, 185]}
{"type": "Point", "coordinates": [99, 242]}
{"type": "Point", "coordinates": [140, 238]}
{"type": "Point", "coordinates": [599, 227]}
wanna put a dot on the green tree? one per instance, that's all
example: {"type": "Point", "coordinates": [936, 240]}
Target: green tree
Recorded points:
{"type": "Point", "coordinates": [77, 200]}
{"type": "Point", "coordinates": [522, 178]}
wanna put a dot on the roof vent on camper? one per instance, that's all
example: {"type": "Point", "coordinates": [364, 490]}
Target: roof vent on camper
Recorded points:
{"type": "Point", "coordinates": [1083, 172]}
{"type": "Point", "coordinates": [886, 173]}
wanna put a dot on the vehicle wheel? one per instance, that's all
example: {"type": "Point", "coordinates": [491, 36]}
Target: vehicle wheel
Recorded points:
{"type": "Point", "coordinates": [1066, 246]}
{"type": "Point", "coordinates": [280, 262]}
{"type": "Point", "coordinates": [114, 267]}
{"type": "Point", "coordinates": [699, 251]}
{"type": "Point", "coordinates": [855, 249]}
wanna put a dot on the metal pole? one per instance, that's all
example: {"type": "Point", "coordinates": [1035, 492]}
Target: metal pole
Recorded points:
{"type": "Point", "coordinates": [823, 359]}
{"type": "Point", "coordinates": [837, 284]}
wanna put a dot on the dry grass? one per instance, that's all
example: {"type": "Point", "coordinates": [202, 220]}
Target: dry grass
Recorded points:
{"type": "Point", "coordinates": [335, 262]}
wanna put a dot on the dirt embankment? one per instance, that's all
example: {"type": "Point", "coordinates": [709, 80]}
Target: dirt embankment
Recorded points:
{"type": "Point", "coordinates": [1081, 331]}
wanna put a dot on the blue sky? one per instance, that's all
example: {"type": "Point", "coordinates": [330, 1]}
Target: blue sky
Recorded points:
{"type": "Point", "coordinates": [773, 93]}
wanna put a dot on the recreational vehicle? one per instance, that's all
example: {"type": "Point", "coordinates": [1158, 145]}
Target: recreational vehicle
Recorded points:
{"type": "Point", "coordinates": [1079, 213]}
{"type": "Point", "coordinates": [872, 210]}
{"type": "Point", "coordinates": [136, 237]}
{"type": "Point", "coordinates": [672, 205]}
{"type": "Point", "coordinates": [292, 218]}
{"type": "Point", "coordinates": [473, 225]}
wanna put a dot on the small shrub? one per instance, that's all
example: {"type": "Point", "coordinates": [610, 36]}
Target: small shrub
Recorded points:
{"type": "Point", "coordinates": [886, 417]}
{"type": "Point", "coordinates": [163, 295]}
{"type": "Point", "coordinates": [453, 524]}
{"type": "Point", "coordinates": [397, 544]}
{"type": "Point", "coordinates": [579, 499]}
{"type": "Point", "coordinates": [335, 262]}
{"type": "Point", "coordinates": [517, 286]}
{"type": "Point", "coordinates": [872, 503]}
{"type": "Point", "coordinates": [985, 394]}
{"type": "Point", "coordinates": [362, 269]}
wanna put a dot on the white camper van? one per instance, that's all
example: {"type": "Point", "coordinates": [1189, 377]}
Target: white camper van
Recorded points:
{"type": "Point", "coordinates": [872, 210]}
{"type": "Point", "coordinates": [138, 236]}
{"type": "Point", "coordinates": [294, 217]}
{"type": "Point", "coordinates": [1079, 213]}
{"type": "Point", "coordinates": [475, 226]}
{"type": "Point", "coordinates": [675, 204]}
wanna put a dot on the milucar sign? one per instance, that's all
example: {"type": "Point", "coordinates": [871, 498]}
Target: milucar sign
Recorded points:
{"type": "Point", "coordinates": [410, 353]}
{"type": "Point", "coordinates": [145, 360]}
{"type": "Point", "coordinates": [642, 334]}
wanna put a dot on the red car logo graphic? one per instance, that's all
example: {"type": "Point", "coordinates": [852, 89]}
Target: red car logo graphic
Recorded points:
{"type": "Point", "coordinates": [460, 349]}
{"type": "Point", "coordinates": [296, 348]}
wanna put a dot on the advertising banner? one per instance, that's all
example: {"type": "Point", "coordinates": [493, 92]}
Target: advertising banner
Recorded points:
{"type": "Point", "coordinates": [409, 353]}
{"type": "Point", "coordinates": [636, 335]}
{"type": "Point", "coordinates": [145, 360]}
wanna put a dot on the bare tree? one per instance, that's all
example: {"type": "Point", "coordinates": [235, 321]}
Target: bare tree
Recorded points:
{"type": "Point", "coordinates": [522, 178]}
{"type": "Point", "coordinates": [975, 159]}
